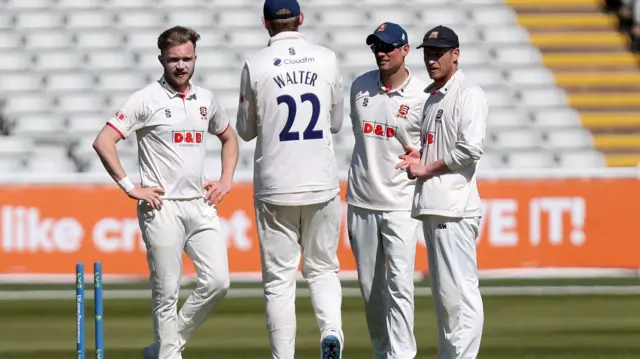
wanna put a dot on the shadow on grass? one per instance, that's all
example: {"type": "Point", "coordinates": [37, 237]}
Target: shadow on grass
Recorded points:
{"type": "Point", "coordinates": [492, 352]}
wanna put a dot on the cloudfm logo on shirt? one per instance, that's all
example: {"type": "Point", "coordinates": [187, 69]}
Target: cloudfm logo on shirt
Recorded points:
{"type": "Point", "coordinates": [380, 130]}
{"type": "Point", "coordinates": [187, 137]}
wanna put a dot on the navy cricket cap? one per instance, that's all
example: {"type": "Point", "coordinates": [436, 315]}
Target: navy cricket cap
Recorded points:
{"type": "Point", "coordinates": [280, 9]}
{"type": "Point", "coordinates": [440, 36]}
{"type": "Point", "coordinates": [389, 33]}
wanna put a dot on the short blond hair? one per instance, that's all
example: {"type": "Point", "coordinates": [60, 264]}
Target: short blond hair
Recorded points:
{"type": "Point", "coordinates": [280, 25]}
{"type": "Point", "coordinates": [177, 35]}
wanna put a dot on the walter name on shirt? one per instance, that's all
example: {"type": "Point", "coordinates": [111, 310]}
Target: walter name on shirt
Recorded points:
{"type": "Point", "coordinates": [296, 77]}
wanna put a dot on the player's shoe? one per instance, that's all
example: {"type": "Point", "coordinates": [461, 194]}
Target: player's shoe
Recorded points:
{"type": "Point", "coordinates": [150, 352]}
{"type": "Point", "coordinates": [331, 348]}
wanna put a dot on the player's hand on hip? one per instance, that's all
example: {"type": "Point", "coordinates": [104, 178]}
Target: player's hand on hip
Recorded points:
{"type": "Point", "coordinates": [411, 156]}
{"type": "Point", "coordinates": [151, 195]}
{"type": "Point", "coordinates": [216, 190]}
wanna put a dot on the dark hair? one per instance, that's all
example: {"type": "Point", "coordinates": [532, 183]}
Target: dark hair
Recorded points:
{"type": "Point", "coordinates": [280, 25]}
{"type": "Point", "coordinates": [177, 35]}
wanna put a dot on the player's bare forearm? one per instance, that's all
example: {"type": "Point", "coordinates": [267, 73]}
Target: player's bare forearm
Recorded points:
{"type": "Point", "coordinates": [423, 172]}
{"type": "Point", "coordinates": [437, 168]}
{"type": "Point", "coordinates": [105, 147]}
{"type": "Point", "coordinates": [230, 153]}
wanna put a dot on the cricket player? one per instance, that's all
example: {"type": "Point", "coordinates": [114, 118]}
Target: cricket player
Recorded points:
{"type": "Point", "coordinates": [386, 113]}
{"type": "Point", "coordinates": [176, 205]}
{"type": "Point", "coordinates": [291, 101]}
{"type": "Point", "coordinates": [446, 198]}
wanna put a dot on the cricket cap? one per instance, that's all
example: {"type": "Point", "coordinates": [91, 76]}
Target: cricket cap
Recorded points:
{"type": "Point", "coordinates": [389, 33]}
{"type": "Point", "coordinates": [280, 9]}
{"type": "Point", "coordinates": [440, 36]}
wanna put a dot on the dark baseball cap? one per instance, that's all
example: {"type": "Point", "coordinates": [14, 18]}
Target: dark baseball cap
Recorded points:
{"type": "Point", "coordinates": [389, 33]}
{"type": "Point", "coordinates": [280, 9]}
{"type": "Point", "coordinates": [440, 36]}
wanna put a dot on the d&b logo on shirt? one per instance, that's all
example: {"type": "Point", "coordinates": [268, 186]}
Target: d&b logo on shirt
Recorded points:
{"type": "Point", "coordinates": [187, 137]}
{"type": "Point", "coordinates": [379, 130]}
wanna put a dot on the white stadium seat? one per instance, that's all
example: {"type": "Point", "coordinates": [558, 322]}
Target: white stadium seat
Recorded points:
{"type": "Point", "coordinates": [347, 16]}
{"type": "Point", "coordinates": [193, 17]}
{"type": "Point", "coordinates": [556, 117]}
{"type": "Point", "coordinates": [530, 76]}
{"type": "Point", "coordinates": [547, 96]}
{"type": "Point", "coordinates": [144, 39]}
{"type": "Point", "coordinates": [7, 21]}
{"type": "Point", "coordinates": [517, 54]}
{"type": "Point", "coordinates": [105, 59]}
{"type": "Point", "coordinates": [484, 76]}
{"type": "Point", "coordinates": [27, 102]}
{"type": "Point", "coordinates": [143, 18]}
{"type": "Point", "coordinates": [80, 102]}
{"type": "Point", "coordinates": [253, 38]}
{"type": "Point", "coordinates": [55, 60]}
{"type": "Point", "coordinates": [37, 125]}
{"type": "Point", "coordinates": [569, 138]}
{"type": "Point", "coordinates": [14, 61]}
{"type": "Point", "coordinates": [99, 39]}
{"type": "Point", "coordinates": [531, 159]}
{"type": "Point", "coordinates": [83, 19]}
{"type": "Point", "coordinates": [20, 82]}
{"type": "Point", "coordinates": [128, 4]}
{"type": "Point", "coordinates": [393, 14]}
{"type": "Point", "coordinates": [9, 165]}
{"type": "Point", "coordinates": [70, 81]}
{"type": "Point", "coordinates": [28, 4]}
{"type": "Point", "coordinates": [49, 39]}
{"type": "Point", "coordinates": [504, 35]}
{"type": "Point", "coordinates": [121, 81]}
{"type": "Point", "coordinates": [515, 138]}
{"type": "Point", "coordinates": [15, 147]}
{"type": "Point", "coordinates": [507, 117]}
{"type": "Point", "coordinates": [10, 40]}
{"type": "Point", "coordinates": [493, 15]}
{"type": "Point", "coordinates": [51, 165]}
{"type": "Point", "coordinates": [39, 20]}
{"type": "Point", "coordinates": [79, 4]}
{"type": "Point", "coordinates": [232, 19]}
{"type": "Point", "coordinates": [447, 16]}
{"type": "Point", "coordinates": [582, 159]}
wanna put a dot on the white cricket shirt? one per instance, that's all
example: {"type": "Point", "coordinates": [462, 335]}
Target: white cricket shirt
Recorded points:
{"type": "Point", "coordinates": [453, 129]}
{"type": "Point", "coordinates": [170, 129]}
{"type": "Point", "coordinates": [384, 121]}
{"type": "Point", "coordinates": [291, 100]}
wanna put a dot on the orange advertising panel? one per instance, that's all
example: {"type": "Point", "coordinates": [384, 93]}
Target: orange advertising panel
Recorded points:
{"type": "Point", "coordinates": [46, 229]}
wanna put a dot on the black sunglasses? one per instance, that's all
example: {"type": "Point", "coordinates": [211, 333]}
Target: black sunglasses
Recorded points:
{"type": "Point", "coordinates": [384, 47]}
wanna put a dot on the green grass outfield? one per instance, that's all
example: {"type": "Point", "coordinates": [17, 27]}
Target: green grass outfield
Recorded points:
{"type": "Point", "coordinates": [516, 327]}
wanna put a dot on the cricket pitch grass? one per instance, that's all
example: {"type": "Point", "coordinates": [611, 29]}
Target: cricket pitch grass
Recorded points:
{"type": "Point", "coordinates": [516, 327]}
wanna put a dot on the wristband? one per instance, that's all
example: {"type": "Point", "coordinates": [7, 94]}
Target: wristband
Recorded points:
{"type": "Point", "coordinates": [126, 184]}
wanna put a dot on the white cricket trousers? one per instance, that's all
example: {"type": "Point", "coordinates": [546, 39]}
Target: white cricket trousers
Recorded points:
{"type": "Point", "coordinates": [384, 246]}
{"type": "Point", "coordinates": [283, 232]}
{"type": "Point", "coordinates": [183, 225]}
{"type": "Point", "coordinates": [453, 272]}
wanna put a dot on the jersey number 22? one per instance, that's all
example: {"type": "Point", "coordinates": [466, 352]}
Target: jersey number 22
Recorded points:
{"type": "Point", "coordinates": [309, 132]}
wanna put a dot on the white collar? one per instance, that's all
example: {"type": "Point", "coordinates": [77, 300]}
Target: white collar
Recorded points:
{"type": "Point", "coordinates": [172, 92]}
{"type": "Point", "coordinates": [457, 76]}
{"type": "Point", "coordinates": [287, 35]}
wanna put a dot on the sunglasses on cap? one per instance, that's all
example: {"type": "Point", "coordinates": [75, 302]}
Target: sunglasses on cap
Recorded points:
{"type": "Point", "coordinates": [384, 47]}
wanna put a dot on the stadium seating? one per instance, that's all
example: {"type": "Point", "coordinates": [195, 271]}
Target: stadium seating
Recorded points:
{"type": "Point", "coordinates": [590, 61]}
{"type": "Point", "coordinates": [66, 65]}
